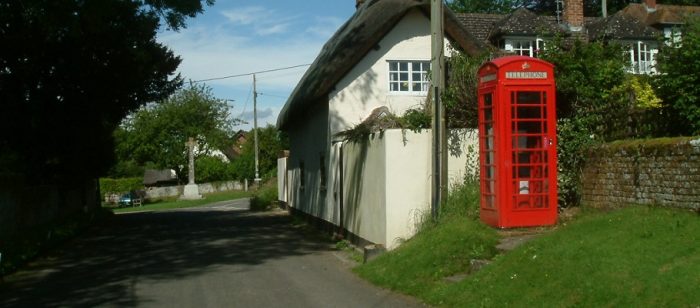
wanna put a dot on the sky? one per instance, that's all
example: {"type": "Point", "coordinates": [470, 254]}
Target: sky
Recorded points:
{"type": "Point", "coordinates": [235, 37]}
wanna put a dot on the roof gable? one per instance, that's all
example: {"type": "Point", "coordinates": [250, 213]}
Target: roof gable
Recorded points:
{"type": "Point", "coordinates": [370, 23]}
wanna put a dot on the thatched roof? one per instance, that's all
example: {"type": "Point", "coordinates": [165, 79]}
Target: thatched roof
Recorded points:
{"type": "Point", "coordinates": [621, 26]}
{"type": "Point", "coordinates": [370, 23]}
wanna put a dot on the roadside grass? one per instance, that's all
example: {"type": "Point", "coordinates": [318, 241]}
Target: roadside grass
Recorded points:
{"type": "Point", "coordinates": [265, 197]}
{"type": "Point", "coordinates": [636, 256]}
{"type": "Point", "coordinates": [441, 249]}
{"type": "Point", "coordinates": [633, 257]}
{"type": "Point", "coordinates": [176, 204]}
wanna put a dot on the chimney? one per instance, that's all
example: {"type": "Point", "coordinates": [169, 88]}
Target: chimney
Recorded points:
{"type": "Point", "coordinates": [358, 3]}
{"type": "Point", "coordinates": [573, 14]}
{"type": "Point", "coordinates": [650, 5]}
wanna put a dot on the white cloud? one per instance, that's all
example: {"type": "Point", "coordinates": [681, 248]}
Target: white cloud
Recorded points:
{"type": "Point", "coordinates": [273, 29]}
{"type": "Point", "coordinates": [262, 114]}
{"type": "Point", "coordinates": [246, 15]}
{"type": "Point", "coordinates": [324, 26]}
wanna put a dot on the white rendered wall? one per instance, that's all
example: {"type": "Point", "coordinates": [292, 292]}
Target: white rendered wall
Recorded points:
{"type": "Point", "coordinates": [282, 181]}
{"type": "Point", "coordinates": [364, 192]}
{"type": "Point", "coordinates": [366, 86]}
{"type": "Point", "coordinates": [309, 140]}
{"type": "Point", "coordinates": [387, 182]}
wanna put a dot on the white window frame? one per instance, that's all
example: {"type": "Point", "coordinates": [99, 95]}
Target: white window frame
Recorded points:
{"type": "Point", "coordinates": [672, 34]}
{"type": "Point", "coordinates": [524, 46]}
{"type": "Point", "coordinates": [642, 57]}
{"type": "Point", "coordinates": [401, 77]}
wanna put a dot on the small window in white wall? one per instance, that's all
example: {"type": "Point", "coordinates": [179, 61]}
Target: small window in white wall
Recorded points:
{"type": "Point", "coordinates": [408, 77]}
{"type": "Point", "coordinates": [524, 47]}
{"type": "Point", "coordinates": [642, 58]}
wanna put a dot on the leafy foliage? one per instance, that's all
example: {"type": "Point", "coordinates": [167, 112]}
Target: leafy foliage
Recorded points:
{"type": "Point", "coordinates": [158, 132]}
{"type": "Point", "coordinates": [264, 198]}
{"type": "Point", "coordinates": [461, 107]}
{"type": "Point", "coordinates": [678, 83]}
{"type": "Point", "coordinates": [419, 266]}
{"type": "Point", "coordinates": [270, 143]}
{"type": "Point", "coordinates": [213, 169]}
{"type": "Point", "coordinates": [415, 120]}
{"type": "Point", "coordinates": [122, 185]}
{"type": "Point", "coordinates": [71, 70]}
{"type": "Point", "coordinates": [543, 7]}
{"type": "Point", "coordinates": [586, 75]}
{"type": "Point", "coordinates": [485, 6]}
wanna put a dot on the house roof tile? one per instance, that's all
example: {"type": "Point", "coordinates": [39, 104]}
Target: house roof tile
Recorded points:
{"type": "Point", "coordinates": [620, 26]}
{"type": "Point", "coordinates": [663, 14]}
{"type": "Point", "coordinates": [523, 22]}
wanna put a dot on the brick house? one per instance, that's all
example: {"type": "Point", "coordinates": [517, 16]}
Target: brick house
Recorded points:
{"type": "Point", "coordinates": [640, 26]}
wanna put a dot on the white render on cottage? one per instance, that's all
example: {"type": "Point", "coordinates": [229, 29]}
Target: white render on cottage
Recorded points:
{"type": "Point", "coordinates": [385, 187]}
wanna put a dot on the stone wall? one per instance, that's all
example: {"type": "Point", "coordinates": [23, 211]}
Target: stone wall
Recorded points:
{"type": "Point", "coordinates": [657, 171]}
{"type": "Point", "coordinates": [153, 193]}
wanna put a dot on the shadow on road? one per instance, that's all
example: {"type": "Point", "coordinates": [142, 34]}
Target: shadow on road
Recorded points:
{"type": "Point", "coordinates": [104, 266]}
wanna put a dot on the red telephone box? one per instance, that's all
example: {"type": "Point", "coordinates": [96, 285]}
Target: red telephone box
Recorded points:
{"type": "Point", "coordinates": [517, 142]}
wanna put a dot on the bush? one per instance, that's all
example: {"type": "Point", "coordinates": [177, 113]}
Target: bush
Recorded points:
{"type": "Point", "coordinates": [463, 202]}
{"type": "Point", "coordinates": [212, 169]}
{"type": "Point", "coordinates": [108, 185]}
{"type": "Point", "coordinates": [678, 82]}
{"type": "Point", "coordinates": [265, 197]}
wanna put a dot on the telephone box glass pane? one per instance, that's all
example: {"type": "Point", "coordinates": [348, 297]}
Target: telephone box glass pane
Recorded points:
{"type": "Point", "coordinates": [528, 131]}
{"type": "Point", "coordinates": [488, 170]}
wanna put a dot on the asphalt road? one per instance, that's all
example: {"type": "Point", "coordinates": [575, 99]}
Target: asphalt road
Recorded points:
{"type": "Point", "coordinates": [220, 255]}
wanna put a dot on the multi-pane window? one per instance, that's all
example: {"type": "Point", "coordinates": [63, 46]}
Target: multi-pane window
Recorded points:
{"type": "Point", "coordinates": [642, 58]}
{"type": "Point", "coordinates": [524, 47]}
{"type": "Point", "coordinates": [410, 77]}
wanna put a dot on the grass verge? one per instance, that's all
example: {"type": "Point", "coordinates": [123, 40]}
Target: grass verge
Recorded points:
{"type": "Point", "coordinates": [264, 198]}
{"type": "Point", "coordinates": [637, 256]}
{"type": "Point", "coordinates": [176, 204]}
{"type": "Point", "coordinates": [633, 257]}
{"type": "Point", "coordinates": [440, 250]}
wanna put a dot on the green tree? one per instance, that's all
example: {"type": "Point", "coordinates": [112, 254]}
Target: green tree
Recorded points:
{"type": "Point", "coordinates": [70, 70]}
{"type": "Point", "coordinates": [485, 6]}
{"type": "Point", "coordinates": [586, 76]}
{"type": "Point", "coordinates": [461, 107]}
{"type": "Point", "coordinates": [157, 132]}
{"type": "Point", "coordinates": [679, 64]}
{"type": "Point", "coordinates": [270, 142]}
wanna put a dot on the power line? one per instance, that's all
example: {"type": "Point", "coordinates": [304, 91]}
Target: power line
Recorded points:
{"type": "Point", "coordinates": [249, 74]}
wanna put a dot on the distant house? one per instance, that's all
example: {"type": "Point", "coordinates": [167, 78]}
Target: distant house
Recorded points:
{"type": "Point", "coordinates": [234, 150]}
{"type": "Point", "coordinates": [638, 26]}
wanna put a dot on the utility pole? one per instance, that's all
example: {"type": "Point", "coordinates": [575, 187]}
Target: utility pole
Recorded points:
{"type": "Point", "coordinates": [255, 129]}
{"type": "Point", "coordinates": [439, 155]}
{"type": "Point", "coordinates": [604, 3]}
